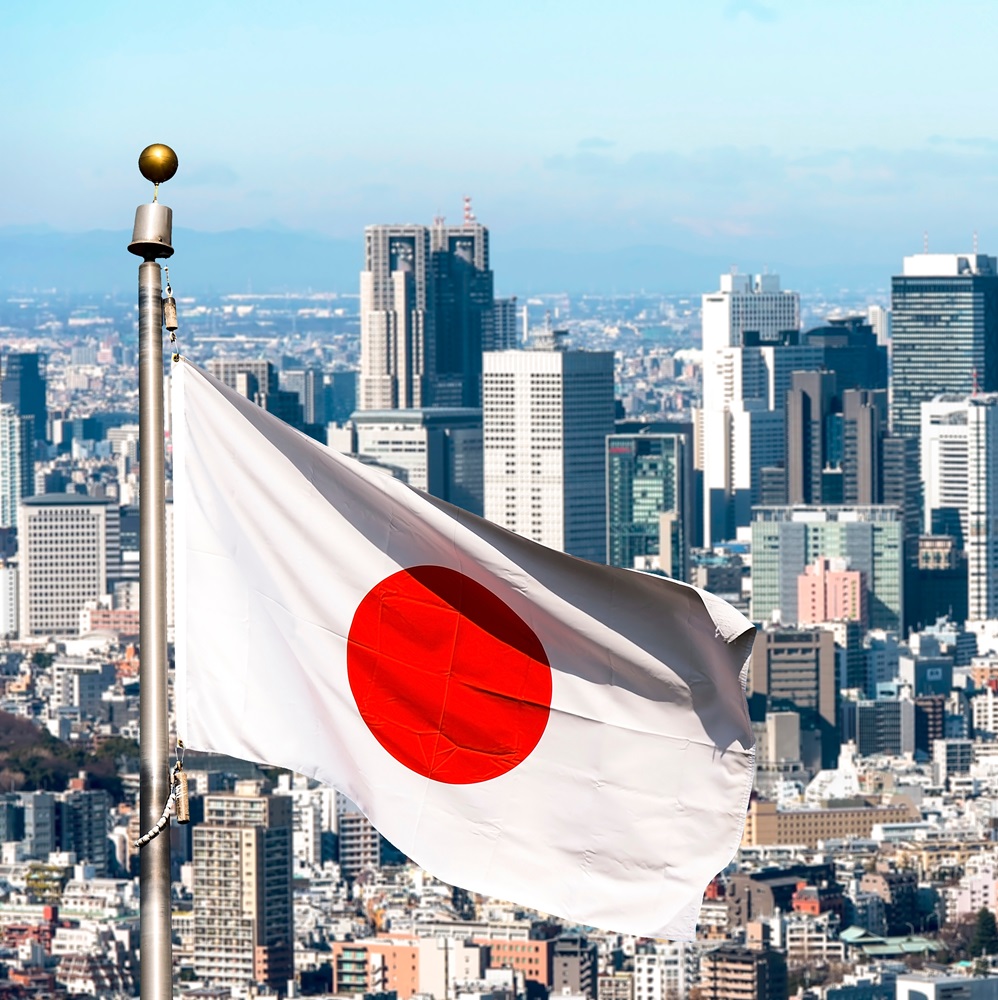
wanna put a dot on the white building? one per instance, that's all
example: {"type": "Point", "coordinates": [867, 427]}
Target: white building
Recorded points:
{"type": "Point", "coordinates": [396, 324]}
{"type": "Point", "coordinates": [748, 302]}
{"type": "Point", "coordinates": [959, 460]}
{"type": "Point", "coordinates": [437, 450]}
{"type": "Point", "coordinates": [69, 552]}
{"type": "Point", "coordinates": [546, 415]}
{"type": "Point", "coordinates": [750, 327]}
{"type": "Point", "coordinates": [665, 970]}
{"type": "Point", "coordinates": [16, 462]}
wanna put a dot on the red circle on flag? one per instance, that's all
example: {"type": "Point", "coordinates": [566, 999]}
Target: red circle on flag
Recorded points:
{"type": "Point", "coordinates": [450, 680]}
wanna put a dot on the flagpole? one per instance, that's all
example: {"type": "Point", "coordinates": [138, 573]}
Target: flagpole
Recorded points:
{"type": "Point", "coordinates": [151, 240]}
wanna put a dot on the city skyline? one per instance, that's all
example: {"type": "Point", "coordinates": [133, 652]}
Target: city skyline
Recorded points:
{"type": "Point", "coordinates": [705, 130]}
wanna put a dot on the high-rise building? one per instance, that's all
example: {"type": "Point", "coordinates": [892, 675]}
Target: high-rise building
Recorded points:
{"type": "Point", "coordinates": [649, 476]}
{"type": "Point", "coordinates": [243, 917]}
{"type": "Point", "coordinates": [23, 384]}
{"type": "Point", "coordinates": [82, 823]}
{"type": "Point", "coordinates": [751, 344]}
{"type": "Point", "coordinates": [547, 413]}
{"type": "Point", "coordinates": [17, 465]}
{"type": "Point", "coordinates": [437, 449]}
{"type": "Point", "coordinates": [786, 539]}
{"type": "Point", "coordinates": [463, 307]}
{"type": "Point", "coordinates": [944, 332]}
{"type": "Point", "coordinates": [307, 384]}
{"type": "Point", "coordinates": [959, 446]}
{"type": "Point", "coordinates": [257, 379]}
{"type": "Point", "coordinates": [397, 329]}
{"type": "Point", "coordinates": [747, 302]}
{"type": "Point", "coordinates": [505, 333]}
{"type": "Point", "coordinates": [797, 667]}
{"type": "Point", "coordinates": [69, 553]}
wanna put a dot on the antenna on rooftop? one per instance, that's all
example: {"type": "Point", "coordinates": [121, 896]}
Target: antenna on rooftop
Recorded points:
{"type": "Point", "coordinates": [469, 215]}
{"type": "Point", "coordinates": [925, 241]}
{"type": "Point", "coordinates": [975, 242]}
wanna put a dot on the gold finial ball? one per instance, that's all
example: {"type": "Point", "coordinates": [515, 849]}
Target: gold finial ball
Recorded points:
{"type": "Point", "coordinates": [157, 163]}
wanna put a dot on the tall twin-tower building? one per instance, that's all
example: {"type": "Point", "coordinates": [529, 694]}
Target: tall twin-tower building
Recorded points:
{"type": "Point", "coordinates": [427, 312]}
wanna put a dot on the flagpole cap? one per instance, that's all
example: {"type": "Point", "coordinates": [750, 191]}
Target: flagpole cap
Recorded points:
{"type": "Point", "coordinates": [158, 163]}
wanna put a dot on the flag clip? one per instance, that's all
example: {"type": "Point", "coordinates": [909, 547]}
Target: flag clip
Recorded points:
{"type": "Point", "coordinates": [178, 796]}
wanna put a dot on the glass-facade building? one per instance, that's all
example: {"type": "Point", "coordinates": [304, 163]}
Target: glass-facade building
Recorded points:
{"type": "Point", "coordinates": [945, 332]}
{"type": "Point", "coordinates": [648, 490]}
{"type": "Point", "coordinates": [787, 539]}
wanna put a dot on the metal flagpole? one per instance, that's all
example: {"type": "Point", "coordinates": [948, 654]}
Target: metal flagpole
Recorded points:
{"type": "Point", "coordinates": [150, 240]}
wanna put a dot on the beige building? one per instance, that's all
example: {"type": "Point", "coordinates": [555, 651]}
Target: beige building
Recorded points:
{"type": "Point", "coordinates": [243, 917]}
{"type": "Point", "coordinates": [766, 824]}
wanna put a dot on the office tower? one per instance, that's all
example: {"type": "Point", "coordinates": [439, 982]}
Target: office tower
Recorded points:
{"type": "Point", "coordinates": [884, 726]}
{"type": "Point", "coordinates": [243, 918]}
{"type": "Point", "coordinates": [23, 384]}
{"type": "Point", "coordinates": [341, 395]}
{"type": "Point", "coordinates": [959, 460]}
{"type": "Point", "coordinates": [811, 449]}
{"type": "Point", "coordinates": [257, 379]}
{"type": "Point", "coordinates": [17, 462]}
{"type": "Point", "coordinates": [797, 667]}
{"type": "Point", "coordinates": [505, 334]}
{"type": "Point", "coordinates": [82, 823]}
{"type": "Point", "coordinates": [864, 427]}
{"type": "Point", "coordinates": [39, 824]}
{"type": "Point", "coordinates": [748, 302]}
{"type": "Point", "coordinates": [786, 539]}
{"type": "Point", "coordinates": [397, 330]}
{"type": "Point", "coordinates": [69, 552]}
{"type": "Point", "coordinates": [463, 307]}
{"type": "Point", "coordinates": [8, 601]}
{"type": "Point", "coordinates": [879, 319]}
{"type": "Point", "coordinates": [547, 413]}
{"type": "Point", "coordinates": [437, 450]}
{"type": "Point", "coordinates": [940, 582]}
{"type": "Point", "coordinates": [649, 500]}
{"type": "Point", "coordinates": [749, 326]}
{"type": "Point", "coordinates": [849, 347]}
{"type": "Point", "coordinates": [308, 385]}
{"type": "Point", "coordinates": [944, 332]}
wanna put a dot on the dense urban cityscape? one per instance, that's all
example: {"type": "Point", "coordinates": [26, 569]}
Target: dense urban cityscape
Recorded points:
{"type": "Point", "coordinates": [826, 463]}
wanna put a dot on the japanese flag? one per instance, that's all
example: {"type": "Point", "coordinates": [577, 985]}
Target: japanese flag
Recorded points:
{"type": "Point", "coordinates": [521, 723]}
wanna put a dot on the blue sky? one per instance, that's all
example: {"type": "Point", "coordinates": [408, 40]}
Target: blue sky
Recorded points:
{"type": "Point", "coordinates": [764, 130]}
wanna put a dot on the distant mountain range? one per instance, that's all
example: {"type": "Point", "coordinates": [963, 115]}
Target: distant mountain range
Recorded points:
{"type": "Point", "coordinates": [279, 260]}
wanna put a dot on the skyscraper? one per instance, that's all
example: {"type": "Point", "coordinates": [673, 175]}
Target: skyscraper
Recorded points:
{"type": "Point", "coordinates": [243, 918]}
{"type": "Point", "coordinates": [944, 330]}
{"type": "Point", "coordinates": [960, 470]}
{"type": "Point", "coordinates": [751, 344]}
{"type": "Point", "coordinates": [649, 503]}
{"type": "Point", "coordinates": [69, 552]}
{"type": "Point", "coordinates": [397, 332]}
{"type": "Point", "coordinates": [17, 467]}
{"type": "Point", "coordinates": [546, 416]}
{"type": "Point", "coordinates": [23, 384]}
{"type": "Point", "coordinates": [463, 306]}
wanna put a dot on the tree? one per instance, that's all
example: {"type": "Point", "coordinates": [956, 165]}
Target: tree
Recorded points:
{"type": "Point", "coordinates": [985, 939]}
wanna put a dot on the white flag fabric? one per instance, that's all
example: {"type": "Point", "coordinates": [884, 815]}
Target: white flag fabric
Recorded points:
{"type": "Point", "coordinates": [560, 734]}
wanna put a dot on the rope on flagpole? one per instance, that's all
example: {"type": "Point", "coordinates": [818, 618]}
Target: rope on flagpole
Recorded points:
{"type": "Point", "coordinates": [178, 797]}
